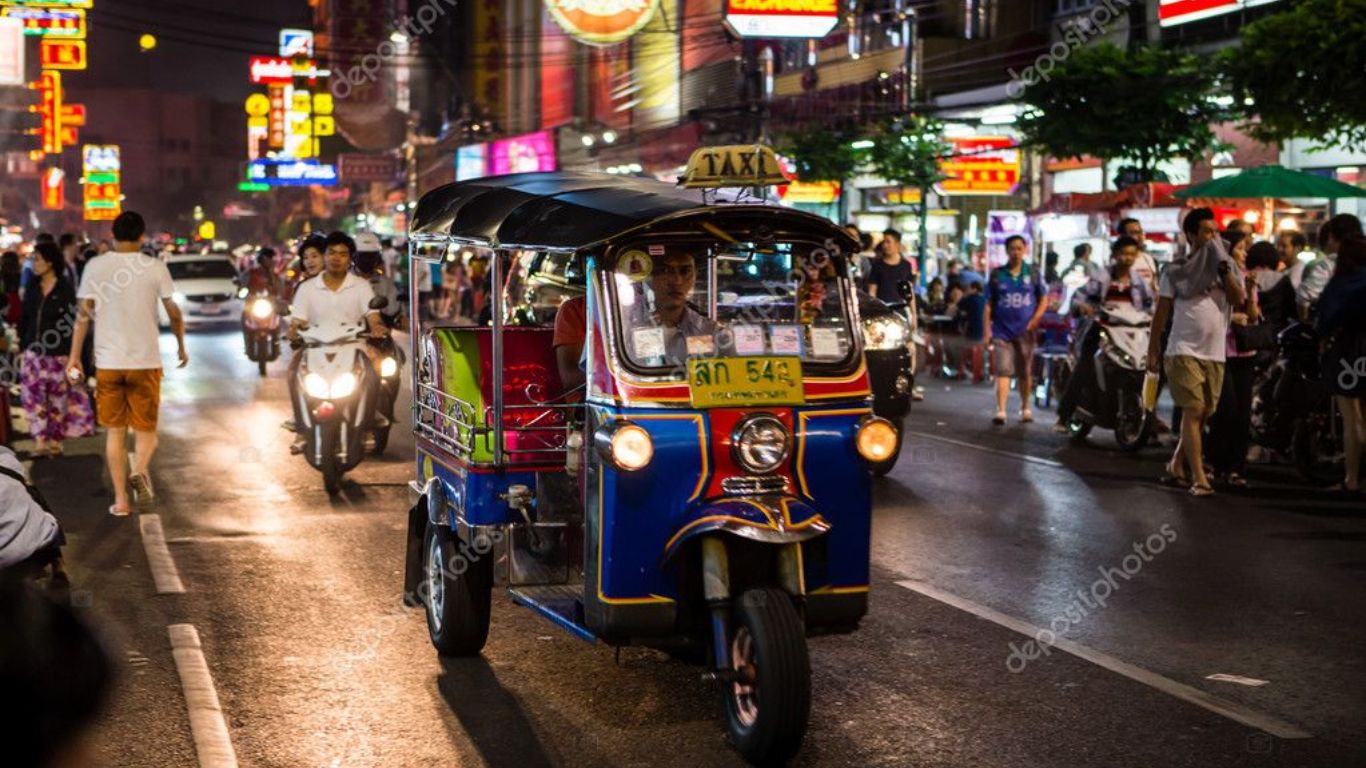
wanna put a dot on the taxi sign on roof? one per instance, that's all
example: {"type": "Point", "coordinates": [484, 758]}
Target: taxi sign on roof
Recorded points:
{"type": "Point", "coordinates": [745, 165]}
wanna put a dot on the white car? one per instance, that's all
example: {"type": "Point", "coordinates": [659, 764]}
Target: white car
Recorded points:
{"type": "Point", "coordinates": [205, 288]}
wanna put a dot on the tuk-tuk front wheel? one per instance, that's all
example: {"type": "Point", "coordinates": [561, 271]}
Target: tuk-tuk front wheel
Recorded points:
{"type": "Point", "coordinates": [769, 700]}
{"type": "Point", "coordinates": [456, 588]}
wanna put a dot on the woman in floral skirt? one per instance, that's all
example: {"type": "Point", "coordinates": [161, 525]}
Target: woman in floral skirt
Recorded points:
{"type": "Point", "coordinates": [56, 408]}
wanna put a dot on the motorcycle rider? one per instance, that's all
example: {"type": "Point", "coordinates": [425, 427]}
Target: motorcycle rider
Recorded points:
{"type": "Point", "coordinates": [263, 278]}
{"type": "Point", "coordinates": [369, 264]}
{"type": "Point", "coordinates": [336, 297]}
{"type": "Point", "coordinates": [1105, 289]}
{"type": "Point", "coordinates": [311, 251]}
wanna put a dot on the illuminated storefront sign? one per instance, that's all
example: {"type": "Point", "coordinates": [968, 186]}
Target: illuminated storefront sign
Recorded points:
{"type": "Point", "coordinates": [11, 52]}
{"type": "Point", "coordinates": [782, 18]}
{"type": "Point", "coordinates": [49, 22]}
{"type": "Point", "coordinates": [981, 165]}
{"type": "Point", "coordinates": [101, 169]}
{"type": "Point", "coordinates": [522, 154]}
{"type": "Point", "coordinates": [602, 21]}
{"type": "Point", "coordinates": [51, 3]}
{"type": "Point", "coordinates": [811, 192]}
{"type": "Point", "coordinates": [276, 117]}
{"type": "Point", "coordinates": [278, 70]}
{"type": "Point", "coordinates": [471, 162]}
{"type": "Point", "coordinates": [58, 53]}
{"type": "Point", "coordinates": [54, 189]}
{"type": "Point", "coordinates": [291, 173]}
{"type": "Point", "coordinates": [296, 42]}
{"type": "Point", "coordinates": [50, 109]}
{"type": "Point", "coordinates": [1170, 13]}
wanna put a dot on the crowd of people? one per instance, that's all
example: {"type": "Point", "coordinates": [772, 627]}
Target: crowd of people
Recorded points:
{"type": "Point", "coordinates": [1217, 311]}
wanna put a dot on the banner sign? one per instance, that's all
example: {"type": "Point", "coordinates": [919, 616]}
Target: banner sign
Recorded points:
{"type": "Point", "coordinates": [1171, 13]}
{"type": "Point", "coordinates": [51, 3]}
{"type": "Point", "coordinates": [278, 70]}
{"type": "Point", "coordinates": [790, 19]}
{"type": "Point", "coordinates": [101, 167]}
{"type": "Point", "coordinates": [291, 173]}
{"type": "Point", "coordinates": [11, 52]}
{"type": "Point", "coordinates": [48, 22]}
{"type": "Point", "coordinates": [981, 165]}
{"type": "Point", "coordinates": [602, 22]}
{"type": "Point", "coordinates": [356, 168]}
{"type": "Point", "coordinates": [50, 109]}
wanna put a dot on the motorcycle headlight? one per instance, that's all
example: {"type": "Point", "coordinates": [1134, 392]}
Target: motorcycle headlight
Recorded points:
{"type": "Point", "coordinates": [344, 385]}
{"type": "Point", "coordinates": [316, 386]}
{"type": "Point", "coordinates": [261, 309]}
{"type": "Point", "coordinates": [626, 445]}
{"type": "Point", "coordinates": [888, 332]}
{"type": "Point", "coordinates": [242, 293]}
{"type": "Point", "coordinates": [876, 439]}
{"type": "Point", "coordinates": [388, 367]}
{"type": "Point", "coordinates": [761, 444]}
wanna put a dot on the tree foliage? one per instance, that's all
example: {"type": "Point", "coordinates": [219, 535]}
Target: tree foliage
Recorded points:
{"type": "Point", "coordinates": [1304, 72]}
{"type": "Point", "coordinates": [907, 152]}
{"type": "Point", "coordinates": [1148, 104]}
{"type": "Point", "coordinates": [820, 153]}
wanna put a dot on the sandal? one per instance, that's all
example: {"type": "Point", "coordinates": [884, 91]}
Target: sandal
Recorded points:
{"type": "Point", "coordinates": [1201, 490]}
{"type": "Point", "coordinates": [1174, 479]}
{"type": "Point", "coordinates": [1235, 480]}
{"type": "Point", "coordinates": [118, 511]}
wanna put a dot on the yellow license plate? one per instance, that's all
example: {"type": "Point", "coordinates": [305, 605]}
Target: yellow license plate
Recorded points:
{"type": "Point", "coordinates": [718, 382]}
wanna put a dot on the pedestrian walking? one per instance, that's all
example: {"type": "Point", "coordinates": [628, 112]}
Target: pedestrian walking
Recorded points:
{"type": "Point", "coordinates": [890, 269]}
{"type": "Point", "coordinates": [1014, 307]}
{"type": "Point", "coordinates": [1196, 293]}
{"type": "Point", "coordinates": [57, 409]}
{"type": "Point", "coordinates": [120, 293]}
{"type": "Point", "coordinates": [1342, 321]}
{"type": "Point", "coordinates": [1230, 427]}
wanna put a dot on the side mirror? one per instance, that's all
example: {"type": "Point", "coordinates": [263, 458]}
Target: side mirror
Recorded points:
{"type": "Point", "coordinates": [905, 289]}
{"type": "Point", "coordinates": [379, 302]}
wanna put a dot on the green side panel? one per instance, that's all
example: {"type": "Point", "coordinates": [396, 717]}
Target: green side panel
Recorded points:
{"type": "Point", "coordinates": [461, 370]}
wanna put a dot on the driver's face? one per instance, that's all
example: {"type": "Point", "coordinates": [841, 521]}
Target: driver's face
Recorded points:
{"type": "Point", "coordinates": [337, 259]}
{"type": "Point", "coordinates": [672, 282]}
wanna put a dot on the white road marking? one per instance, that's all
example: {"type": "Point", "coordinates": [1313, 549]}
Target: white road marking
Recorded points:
{"type": "Point", "coordinates": [164, 573]}
{"type": "Point", "coordinates": [963, 444]}
{"type": "Point", "coordinates": [1231, 710]}
{"type": "Point", "coordinates": [210, 730]}
{"type": "Point", "coordinates": [1251, 682]}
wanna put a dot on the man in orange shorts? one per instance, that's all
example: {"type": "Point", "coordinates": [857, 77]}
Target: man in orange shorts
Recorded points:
{"type": "Point", "coordinates": [120, 292]}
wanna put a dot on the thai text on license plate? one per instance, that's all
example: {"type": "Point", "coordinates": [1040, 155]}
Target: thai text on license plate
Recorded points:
{"type": "Point", "coordinates": [733, 381]}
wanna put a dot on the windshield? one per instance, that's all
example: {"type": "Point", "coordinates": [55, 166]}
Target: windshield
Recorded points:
{"type": "Point", "coordinates": [204, 269]}
{"type": "Point", "coordinates": [783, 300]}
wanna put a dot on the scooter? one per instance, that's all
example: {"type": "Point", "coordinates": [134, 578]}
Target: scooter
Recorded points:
{"type": "Point", "coordinates": [1293, 412]}
{"type": "Point", "coordinates": [388, 366]}
{"type": "Point", "coordinates": [261, 327]}
{"type": "Point", "coordinates": [1114, 400]}
{"type": "Point", "coordinates": [337, 393]}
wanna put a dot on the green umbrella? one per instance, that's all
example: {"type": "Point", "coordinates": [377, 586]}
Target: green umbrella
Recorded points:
{"type": "Point", "coordinates": [1272, 181]}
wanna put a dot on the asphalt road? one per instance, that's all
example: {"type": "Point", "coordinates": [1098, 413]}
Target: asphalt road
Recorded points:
{"type": "Point", "coordinates": [316, 663]}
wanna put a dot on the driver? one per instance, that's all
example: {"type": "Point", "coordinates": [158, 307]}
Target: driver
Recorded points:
{"type": "Point", "coordinates": [671, 281]}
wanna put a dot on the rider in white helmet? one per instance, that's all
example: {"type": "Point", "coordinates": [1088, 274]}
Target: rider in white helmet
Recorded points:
{"type": "Point", "coordinates": [369, 264]}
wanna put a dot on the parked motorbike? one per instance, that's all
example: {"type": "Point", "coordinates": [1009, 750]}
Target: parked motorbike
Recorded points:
{"type": "Point", "coordinates": [1293, 411]}
{"type": "Point", "coordinates": [337, 399]}
{"type": "Point", "coordinates": [261, 325]}
{"type": "Point", "coordinates": [1114, 400]}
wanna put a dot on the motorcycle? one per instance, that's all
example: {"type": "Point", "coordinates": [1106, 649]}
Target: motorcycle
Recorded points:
{"type": "Point", "coordinates": [337, 397]}
{"type": "Point", "coordinates": [261, 324]}
{"type": "Point", "coordinates": [1293, 412]}
{"type": "Point", "coordinates": [1114, 400]}
{"type": "Point", "coordinates": [388, 365]}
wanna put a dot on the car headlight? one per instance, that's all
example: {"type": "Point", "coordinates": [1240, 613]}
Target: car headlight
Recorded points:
{"type": "Point", "coordinates": [242, 293]}
{"type": "Point", "coordinates": [388, 367]}
{"type": "Point", "coordinates": [626, 445]}
{"type": "Point", "coordinates": [761, 443]}
{"type": "Point", "coordinates": [262, 308]}
{"type": "Point", "coordinates": [316, 386]}
{"type": "Point", "coordinates": [876, 439]}
{"type": "Point", "coordinates": [344, 385]}
{"type": "Point", "coordinates": [887, 332]}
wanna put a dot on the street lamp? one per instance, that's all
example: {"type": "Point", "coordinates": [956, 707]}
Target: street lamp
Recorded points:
{"type": "Point", "coordinates": [147, 42]}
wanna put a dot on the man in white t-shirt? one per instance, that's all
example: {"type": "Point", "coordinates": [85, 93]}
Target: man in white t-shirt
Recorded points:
{"type": "Point", "coordinates": [120, 292]}
{"type": "Point", "coordinates": [1197, 292]}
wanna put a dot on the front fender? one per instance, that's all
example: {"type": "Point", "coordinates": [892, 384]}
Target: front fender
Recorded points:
{"type": "Point", "coordinates": [769, 519]}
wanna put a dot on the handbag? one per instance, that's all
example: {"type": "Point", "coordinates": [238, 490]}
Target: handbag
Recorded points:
{"type": "Point", "coordinates": [1344, 364]}
{"type": "Point", "coordinates": [1259, 337]}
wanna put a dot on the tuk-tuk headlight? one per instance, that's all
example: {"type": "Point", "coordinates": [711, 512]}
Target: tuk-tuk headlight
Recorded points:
{"type": "Point", "coordinates": [628, 446]}
{"type": "Point", "coordinates": [887, 332]}
{"type": "Point", "coordinates": [761, 443]}
{"type": "Point", "coordinates": [876, 439]}
{"type": "Point", "coordinates": [388, 367]}
{"type": "Point", "coordinates": [316, 386]}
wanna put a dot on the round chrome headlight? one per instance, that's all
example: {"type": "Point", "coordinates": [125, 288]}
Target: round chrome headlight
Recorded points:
{"type": "Point", "coordinates": [628, 446]}
{"type": "Point", "coordinates": [876, 440]}
{"type": "Point", "coordinates": [886, 332]}
{"type": "Point", "coordinates": [761, 443]}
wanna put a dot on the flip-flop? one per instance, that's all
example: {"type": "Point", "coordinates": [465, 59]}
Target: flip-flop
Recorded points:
{"type": "Point", "coordinates": [116, 511]}
{"type": "Point", "coordinates": [1200, 490]}
{"type": "Point", "coordinates": [1172, 479]}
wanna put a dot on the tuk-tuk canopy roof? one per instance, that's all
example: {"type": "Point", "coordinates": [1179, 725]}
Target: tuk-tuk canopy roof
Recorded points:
{"type": "Point", "coordinates": [564, 209]}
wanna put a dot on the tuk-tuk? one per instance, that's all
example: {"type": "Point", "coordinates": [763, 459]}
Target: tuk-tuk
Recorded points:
{"type": "Point", "coordinates": [706, 490]}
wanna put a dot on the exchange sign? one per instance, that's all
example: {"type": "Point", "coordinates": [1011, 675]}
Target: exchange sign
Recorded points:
{"type": "Point", "coordinates": [792, 19]}
{"type": "Point", "coordinates": [602, 22]}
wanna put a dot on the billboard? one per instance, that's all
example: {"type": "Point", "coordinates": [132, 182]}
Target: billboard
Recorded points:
{"type": "Point", "coordinates": [981, 165]}
{"type": "Point", "coordinates": [11, 52]}
{"type": "Point", "coordinates": [522, 154]}
{"type": "Point", "coordinates": [291, 173]}
{"type": "Point", "coordinates": [791, 19]}
{"type": "Point", "coordinates": [1171, 13]}
{"type": "Point", "coordinates": [601, 22]}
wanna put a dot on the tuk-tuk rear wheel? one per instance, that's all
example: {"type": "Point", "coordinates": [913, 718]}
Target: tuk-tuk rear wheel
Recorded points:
{"type": "Point", "coordinates": [456, 590]}
{"type": "Point", "coordinates": [769, 701]}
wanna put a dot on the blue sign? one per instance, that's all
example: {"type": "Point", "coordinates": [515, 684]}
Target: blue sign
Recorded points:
{"type": "Point", "coordinates": [292, 173]}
